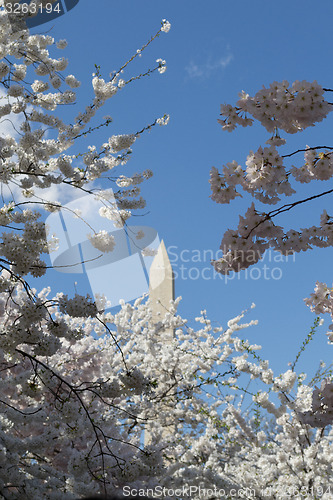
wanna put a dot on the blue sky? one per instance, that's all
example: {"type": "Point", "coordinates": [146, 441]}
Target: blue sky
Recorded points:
{"type": "Point", "coordinates": [214, 50]}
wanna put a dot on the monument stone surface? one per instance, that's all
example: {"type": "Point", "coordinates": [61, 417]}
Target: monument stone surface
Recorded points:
{"type": "Point", "coordinates": [161, 291]}
{"type": "Point", "coordinates": [161, 288]}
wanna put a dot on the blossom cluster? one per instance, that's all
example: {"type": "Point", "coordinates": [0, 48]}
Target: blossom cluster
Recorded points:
{"type": "Point", "coordinates": [78, 306]}
{"type": "Point", "coordinates": [103, 241]}
{"type": "Point", "coordinates": [256, 232]}
{"type": "Point", "coordinates": [317, 166]}
{"type": "Point", "coordinates": [321, 413]}
{"type": "Point", "coordinates": [264, 177]}
{"type": "Point", "coordinates": [280, 106]}
{"type": "Point", "coordinates": [321, 302]}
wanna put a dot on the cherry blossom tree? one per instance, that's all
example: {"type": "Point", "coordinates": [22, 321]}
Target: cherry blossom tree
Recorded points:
{"type": "Point", "coordinates": [267, 176]}
{"type": "Point", "coordinates": [70, 403]}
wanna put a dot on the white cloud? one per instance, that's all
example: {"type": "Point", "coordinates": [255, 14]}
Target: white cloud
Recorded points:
{"type": "Point", "coordinates": [206, 69]}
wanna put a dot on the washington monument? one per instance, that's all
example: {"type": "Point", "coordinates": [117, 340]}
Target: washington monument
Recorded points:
{"type": "Point", "coordinates": [161, 291]}
{"type": "Point", "coordinates": [161, 288]}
